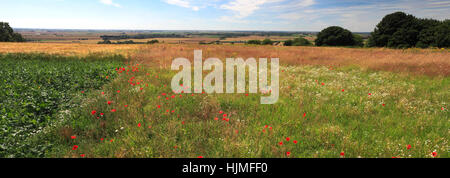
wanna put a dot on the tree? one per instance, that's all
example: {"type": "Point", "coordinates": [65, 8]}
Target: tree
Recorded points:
{"type": "Point", "coordinates": [7, 34]}
{"type": "Point", "coordinates": [288, 42]}
{"type": "Point", "coordinates": [335, 36]}
{"type": "Point", "coordinates": [426, 37]}
{"type": "Point", "coordinates": [267, 42]}
{"type": "Point", "coordinates": [358, 40]}
{"type": "Point", "coordinates": [442, 34]}
{"type": "Point", "coordinates": [400, 30]}
{"type": "Point", "coordinates": [389, 25]}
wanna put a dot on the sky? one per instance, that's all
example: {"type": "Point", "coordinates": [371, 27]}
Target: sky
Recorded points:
{"type": "Point", "coordinates": [259, 15]}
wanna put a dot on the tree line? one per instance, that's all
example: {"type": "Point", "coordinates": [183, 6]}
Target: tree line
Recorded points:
{"type": "Point", "coordinates": [396, 30]}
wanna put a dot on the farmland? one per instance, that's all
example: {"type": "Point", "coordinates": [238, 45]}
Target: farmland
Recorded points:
{"type": "Point", "coordinates": [334, 102]}
{"type": "Point", "coordinates": [38, 89]}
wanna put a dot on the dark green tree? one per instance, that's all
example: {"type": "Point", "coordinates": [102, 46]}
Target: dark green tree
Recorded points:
{"type": "Point", "coordinates": [400, 30]}
{"type": "Point", "coordinates": [267, 42]}
{"type": "Point", "coordinates": [335, 36]}
{"type": "Point", "coordinates": [7, 34]}
{"type": "Point", "coordinates": [442, 34]}
{"type": "Point", "coordinates": [288, 42]}
{"type": "Point", "coordinates": [389, 25]}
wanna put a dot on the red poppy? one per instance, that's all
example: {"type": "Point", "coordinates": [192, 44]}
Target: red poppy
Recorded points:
{"type": "Point", "coordinates": [113, 110]}
{"type": "Point", "coordinates": [126, 106]}
{"type": "Point", "coordinates": [75, 147]}
{"type": "Point", "coordinates": [101, 114]}
{"type": "Point", "coordinates": [159, 106]}
{"type": "Point", "coordinates": [323, 84]}
{"type": "Point", "coordinates": [281, 143]}
{"type": "Point", "coordinates": [408, 147]}
{"type": "Point", "coordinates": [342, 154]}
{"type": "Point", "coordinates": [295, 142]}
{"type": "Point", "coordinates": [288, 153]}
{"type": "Point", "coordinates": [343, 90]}
{"type": "Point", "coordinates": [304, 114]}
{"type": "Point", "coordinates": [434, 154]}
{"type": "Point", "coordinates": [264, 130]}
{"type": "Point", "coordinates": [73, 137]}
{"type": "Point", "coordinates": [384, 104]}
{"type": "Point", "coordinates": [370, 94]}
{"type": "Point", "coordinates": [118, 91]}
{"type": "Point", "coordinates": [93, 112]}
{"type": "Point", "coordinates": [139, 125]}
{"type": "Point", "coordinates": [216, 119]}
{"type": "Point", "coordinates": [266, 126]}
{"type": "Point", "coordinates": [109, 102]}
{"type": "Point", "coordinates": [287, 138]}
{"type": "Point", "coordinates": [200, 157]}
{"type": "Point", "coordinates": [82, 155]}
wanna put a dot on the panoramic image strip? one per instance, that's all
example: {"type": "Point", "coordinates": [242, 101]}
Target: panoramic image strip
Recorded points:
{"type": "Point", "coordinates": [224, 79]}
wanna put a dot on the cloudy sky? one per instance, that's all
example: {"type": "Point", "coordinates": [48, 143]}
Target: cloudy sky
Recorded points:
{"type": "Point", "coordinates": [267, 15]}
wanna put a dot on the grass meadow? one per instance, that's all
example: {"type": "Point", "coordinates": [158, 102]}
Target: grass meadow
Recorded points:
{"type": "Point", "coordinates": [334, 103]}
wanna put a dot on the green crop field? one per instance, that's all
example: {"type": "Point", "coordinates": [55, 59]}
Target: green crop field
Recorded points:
{"type": "Point", "coordinates": [37, 90]}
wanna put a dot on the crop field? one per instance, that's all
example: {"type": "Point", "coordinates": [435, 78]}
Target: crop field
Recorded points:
{"type": "Point", "coordinates": [80, 102]}
{"type": "Point", "coordinates": [37, 88]}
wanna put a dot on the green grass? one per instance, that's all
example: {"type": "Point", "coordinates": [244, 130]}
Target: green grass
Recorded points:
{"type": "Point", "coordinates": [350, 121]}
{"type": "Point", "coordinates": [36, 90]}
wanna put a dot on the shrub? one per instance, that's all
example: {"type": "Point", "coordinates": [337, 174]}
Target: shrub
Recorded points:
{"type": "Point", "coordinates": [257, 42]}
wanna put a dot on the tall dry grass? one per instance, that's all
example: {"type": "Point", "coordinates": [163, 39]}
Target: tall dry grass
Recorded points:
{"type": "Point", "coordinates": [431, 62]}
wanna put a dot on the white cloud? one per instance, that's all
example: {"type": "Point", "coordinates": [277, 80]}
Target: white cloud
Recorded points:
{"type": "Point", "coordinates": [244, 8]}
{"type": "Point", "coordinates": [110, 2]}
{"type": "Point", "coordinates": [183, 3]}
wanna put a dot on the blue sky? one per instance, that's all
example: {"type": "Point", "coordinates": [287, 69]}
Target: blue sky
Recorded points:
{"type": "Point", "coordinates": [268, 15]}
